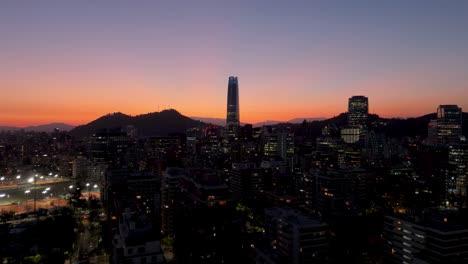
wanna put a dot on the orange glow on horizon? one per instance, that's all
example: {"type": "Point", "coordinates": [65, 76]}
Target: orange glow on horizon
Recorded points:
{"type": "Point", "coordinates": [77, 98]}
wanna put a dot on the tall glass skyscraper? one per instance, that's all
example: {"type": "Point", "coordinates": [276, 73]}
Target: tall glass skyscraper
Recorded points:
{"type": "Point", "coordinates": [358, 110]}
{"type": "Point", "coordinates": [232, 119]}
{"type": "Point", "coordinates": [447, 128]}
{"type": "Point", "coordinates": [449, 124]}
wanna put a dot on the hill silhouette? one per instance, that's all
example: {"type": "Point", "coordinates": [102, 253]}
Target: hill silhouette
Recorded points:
{"type": "Point", "coordinates": [152, 124]}
{"type": "Point", "coordinates": [171, 121]}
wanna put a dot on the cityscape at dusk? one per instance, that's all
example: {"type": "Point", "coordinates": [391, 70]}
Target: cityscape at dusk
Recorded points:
{"type": "Point", "coordinates": [73, 62]}
{"type": "Point", "coordinates": [256, 132]}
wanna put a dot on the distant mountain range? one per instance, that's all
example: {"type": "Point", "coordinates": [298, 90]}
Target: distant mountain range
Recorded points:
{"type": "Point", "coordinates": [171, 121]}
{"type": "Point", "coordinates": [40, 128]}
{"type": "Point", "coordinates": [158, 123]}
{"type": "Point", "coordinates": [222, 121]}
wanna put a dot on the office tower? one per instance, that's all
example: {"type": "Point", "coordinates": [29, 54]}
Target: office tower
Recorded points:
{"type": "Point", "coordinates": [295, 237]}
{"type": "Point", "coordinates": [232, 119]}
{"type": "Point", "coordinates": [358, 110]}
{"type": "Point", "coordinates": [457, 178]}
{"type": "Point", "coordinates": [277, 142]}
{"type": "Point", "coordinates": [449, 124]}
{"type": "Point", "coordinates": [108, 146]}
{"type": "Point", "coordinates": [447, 128]}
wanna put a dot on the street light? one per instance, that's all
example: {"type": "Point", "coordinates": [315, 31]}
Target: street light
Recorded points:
{"type": "Point", "coordinates": [18, 177]}
{"type": "Point", "coordinates": [2, 178]}
{"type": "Point", "coordinates": [70, 187]}
{"type": "Point", "coordinates": [27, 191]}
{"type": "Point", "coordinates": [30, 180]}
{"type": "Point", "coordinates": [95, 186]}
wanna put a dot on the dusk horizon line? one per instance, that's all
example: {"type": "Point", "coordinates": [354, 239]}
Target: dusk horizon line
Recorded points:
{"type": "Point", "coordinates": [192, 117]}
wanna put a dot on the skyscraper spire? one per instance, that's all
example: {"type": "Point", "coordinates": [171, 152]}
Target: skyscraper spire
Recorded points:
{"type": "Point", "coordinates": [232, 119]}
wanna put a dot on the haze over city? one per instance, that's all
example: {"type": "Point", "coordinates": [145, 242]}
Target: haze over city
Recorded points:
{"type": "Point", "coordinates": [75, 61]}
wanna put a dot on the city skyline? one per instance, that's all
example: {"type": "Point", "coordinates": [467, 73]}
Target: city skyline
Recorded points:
{"type": "Point", "coordinates": [248, 131]}
{"type": "Point", "coordinates": [59, 67]}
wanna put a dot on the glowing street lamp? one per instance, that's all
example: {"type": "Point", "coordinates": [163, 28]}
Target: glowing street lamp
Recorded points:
{"type": "Point", "coordinates": [18, 177]}
{"type": "Point", "coordinates": [70, 187]}
{"type": "Point", "coordinates": [27, 191]}
{"type": "Point", "coordinates": [2, 178]}
{"type": "Point", "coordinates": [87, 184]}
{"type": "Point", "coordinates": [30, 180]}
{"type": "Point", "coordinates": [95, 186]}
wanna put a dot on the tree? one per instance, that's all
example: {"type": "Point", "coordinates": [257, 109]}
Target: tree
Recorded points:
{"type": "Point", "coordinates": [75, 197]}
{"type": "Point", "coordinates": [5, 217]}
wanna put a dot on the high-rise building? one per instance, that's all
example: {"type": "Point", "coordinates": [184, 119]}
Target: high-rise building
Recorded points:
{"type": "Point", "coordinates": [123, 186]}
{"type": "Point", "coordinates": [295, 237]}
{"type": "Point", "coordinates": [449, 124]}
{"type": "Point", "coordinates": [457, 178]}
{"type": "Point", "coordinates": [232, 119]}
{"type": "Point", "coordinates": [358, 110]}
{"type": "Point", "coordinates": [447, 128]}
{"type": "Point", "coordinates": [246, 182]}
{"type": "Point", "coordinates": [277, 142]}
{"type": "Point", "coordinates": [438, 237]}
{"type": "Point", "coordinates": [169, 188]}
{"type": "Point", "coordinates": [339, 191]}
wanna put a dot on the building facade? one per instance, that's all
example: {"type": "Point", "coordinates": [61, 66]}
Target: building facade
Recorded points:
{"type": "Point", "coordinates": [232, 119]}
{"type": "Point", "coordinates": [358, 111]}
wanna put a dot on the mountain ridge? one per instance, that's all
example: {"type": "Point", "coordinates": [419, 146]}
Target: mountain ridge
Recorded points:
{"type": "Point", "coordinates": [222, 121]}
{"type": "Point", "coordinates": [50, 127]}
{"type": "Point", "coordinates": [150, 124]}
{"type": "Point", "coordinates": [171, 121]}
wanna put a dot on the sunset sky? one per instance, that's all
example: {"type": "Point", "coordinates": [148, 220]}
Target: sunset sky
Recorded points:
{"type": "Point", "coordinates": [73, 61]}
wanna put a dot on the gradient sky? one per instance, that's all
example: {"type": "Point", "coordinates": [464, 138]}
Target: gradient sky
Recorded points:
{"type": "Point", "coordinates": [73, 61]}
